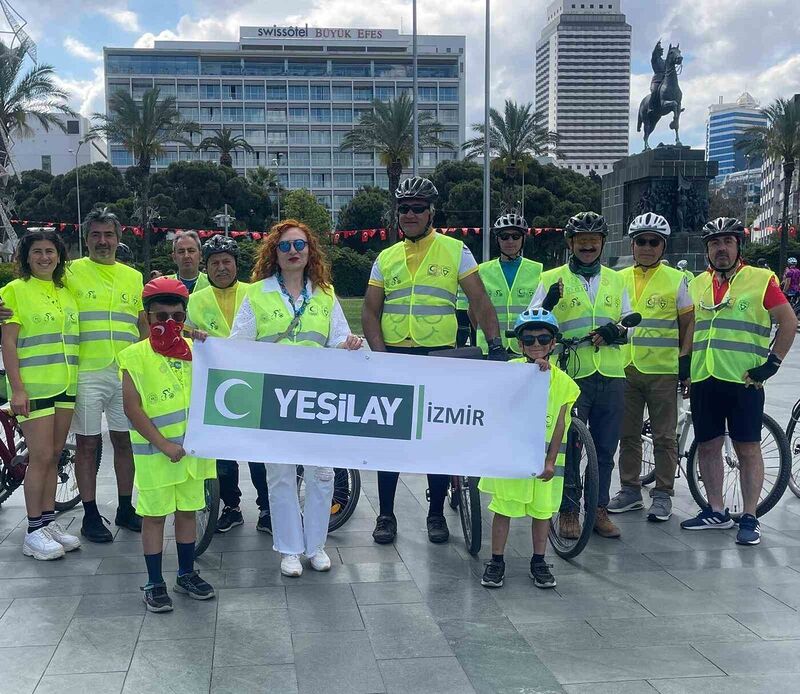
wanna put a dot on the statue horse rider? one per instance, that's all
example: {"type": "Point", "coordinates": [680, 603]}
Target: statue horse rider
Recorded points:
{"type": "Point", "coordinates": [665, 94]}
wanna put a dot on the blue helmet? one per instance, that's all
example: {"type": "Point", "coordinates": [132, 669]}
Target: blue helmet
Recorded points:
{"type": "Point", "coordinates": [536, 318]}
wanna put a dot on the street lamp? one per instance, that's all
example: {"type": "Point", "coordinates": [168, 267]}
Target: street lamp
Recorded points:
{"type": "Point", "coordinates": [90, 137]}
{"type": "Point", "coordinates": [224, 220]}
{"type": "Point", "coordinates": [276, 162]}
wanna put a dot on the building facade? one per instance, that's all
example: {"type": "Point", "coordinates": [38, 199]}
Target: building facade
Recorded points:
{"type": "Point", "coordinates": [726, 127]}
{"type": "Point", "coordinates": [583, 69]}
{"type": "Point", "coordinates": [293, 93]}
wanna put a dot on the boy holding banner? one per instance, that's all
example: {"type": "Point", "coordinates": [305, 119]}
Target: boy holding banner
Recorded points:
{"type": "Point", "coordinates": [540, 498]}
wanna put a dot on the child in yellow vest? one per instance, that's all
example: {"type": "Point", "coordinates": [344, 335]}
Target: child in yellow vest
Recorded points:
{"type": "Point", "coordinates": [156, 391]}
{"type": "Point", "coordinates": [540, 498]}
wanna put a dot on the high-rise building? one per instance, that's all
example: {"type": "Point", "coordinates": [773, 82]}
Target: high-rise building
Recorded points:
{"type": "Point", "coordinates": [54, 150]}
{"type": "Point", "coordinates": [293, 93]}
{"type": "Point", "coordinates": [725, 129]}
{"type": "Point", "coordinates": [583, 71]}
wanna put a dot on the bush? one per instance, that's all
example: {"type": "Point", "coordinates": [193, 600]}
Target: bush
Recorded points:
{"type": "Point", "coordinates": [770, 252]}
{"type": "Point", "coordinates": [350, 270]}
{"type": "Point", "coordinates": [8, 272]}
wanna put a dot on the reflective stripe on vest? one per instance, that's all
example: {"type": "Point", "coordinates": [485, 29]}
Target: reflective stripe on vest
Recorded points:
{"type": "Point", "coordinates": [204, 312]}
{"type": "Point", "coordinates": [273, 318]}
{"type": "Point", "coordinates": [653, 345]}
{"type": "Point", "coordinates": [735, 337]}
{"type": "Point", "coordinates": [578, 316]}
{"type": "Point", "coordinates": [508, 302]}
{"type": "Point", "coordinates": [421, 307]}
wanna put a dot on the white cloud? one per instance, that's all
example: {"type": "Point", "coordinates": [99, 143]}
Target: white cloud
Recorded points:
{"type": "Point", "coordinates": [87, 96]}
{"type": "Point", "coordinates": [122, 16]}
{"type": "Point", "coordinates": [81, 50]}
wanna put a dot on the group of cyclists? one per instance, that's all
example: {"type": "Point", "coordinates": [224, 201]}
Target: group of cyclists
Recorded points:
{"type": "Point", "coordinates": [88, 337]}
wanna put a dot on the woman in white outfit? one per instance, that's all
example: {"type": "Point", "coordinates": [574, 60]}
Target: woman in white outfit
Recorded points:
{"type": "Point", "coordinates": [291, 301]}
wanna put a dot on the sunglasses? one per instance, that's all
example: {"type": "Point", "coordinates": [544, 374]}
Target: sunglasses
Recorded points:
{"type": "Point", "coordinates": [164, 316]}
{"type": "Point", "coordinates": [530, 340]}
{"type": "Point", "coordinates": [416, 209]}
{"type": "Point", "coordinates": [653, 243]}
{"type": "Point", "coordinates": [511, 236]}
{"type": "Point", "coordinates": [285, 246]}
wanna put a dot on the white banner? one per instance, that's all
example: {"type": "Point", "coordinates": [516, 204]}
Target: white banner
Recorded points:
{"type": "Point", "coordinates": [366, 410]}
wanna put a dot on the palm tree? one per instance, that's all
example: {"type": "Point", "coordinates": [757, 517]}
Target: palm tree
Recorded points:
{"type": "Point", "coordinates": [144, 130]}
{"type": "Point", "coordinates": [226, 142]}
{"type": "Point", "coordinates": [265, 181]}
{"type": "Point", "coordinates": [389, 130]}
{"type": "Point", "coordinates": [779, 140]}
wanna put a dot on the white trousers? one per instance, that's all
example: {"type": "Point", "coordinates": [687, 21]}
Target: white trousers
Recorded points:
{"type": "Point", "coordinates": [294, 532]}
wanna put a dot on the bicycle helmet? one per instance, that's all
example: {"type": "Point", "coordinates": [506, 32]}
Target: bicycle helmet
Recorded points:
{"type": "Point", "coordinates": [220, 244]}
{"type": "Point", "coordinates": [512, 220]}
{"type": "Point", "coordinates": [586, 223]}
{"type": "Point", "coordinates": [165, 289]}
{"type": "Point", "coordinates": [124, 253]}
{"type": "Point", "coordinates": [683, 264]}
{"type": "Point", "coordinates": [792, 261]}
{"type": "Point", "coordinates": [418, 188]}
{"type": "Point", "coordinates": [536, 318]}
{"type": "Point", "coordinates": [723, 226]}
{"type": "Point", "coordinates": [649, 222]}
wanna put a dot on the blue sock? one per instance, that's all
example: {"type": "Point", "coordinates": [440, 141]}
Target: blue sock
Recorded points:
{"type": "Point", "coordinates": [153, 562]}
{"type": "Point", "coordinates": [185, 558]}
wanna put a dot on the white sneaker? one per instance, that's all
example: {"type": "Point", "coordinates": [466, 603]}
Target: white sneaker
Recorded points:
{"type": "Point", "coordinates": [290, 565]}
{"type": "Point", "coordinates": [40, 545]}
{"type": "Point", "coordinates": [320, 561]}
{"type": "Point", "coordinates": [67, 541]}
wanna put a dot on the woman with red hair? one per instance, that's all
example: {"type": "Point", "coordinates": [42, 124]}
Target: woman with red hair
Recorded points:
{"type": "Point", "coordinates": [291, 301]}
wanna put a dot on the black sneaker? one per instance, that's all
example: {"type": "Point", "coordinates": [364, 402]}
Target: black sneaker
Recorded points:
{"type": "Point", "coordinates": [437, 529]}
{"type": "Point", "coordinates": [540, 573]}
{"type": "Point", "coordinates": [156, 597]}
{"type": "Point", "coordinates": [195, 587]}
{"type": "Point", "coordinates": [385, 529]}
{"type": "Point", "coordinates": [493, 575]}
{"type": "Point", "coordinates": [264, 524]}
{"type": "Point", "coordinates": [128, 519]}
{"type": "Point", "coordinates": [228, 519]}
{"type": "Point", "coordinates": [93, 529]}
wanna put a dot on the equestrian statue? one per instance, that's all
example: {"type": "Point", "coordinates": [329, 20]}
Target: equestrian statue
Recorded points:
{"type": "Point", "coordinates": [665, 94]}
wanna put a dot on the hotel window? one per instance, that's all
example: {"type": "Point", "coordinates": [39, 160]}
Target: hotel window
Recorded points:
{"type": "Point", "coordinates": [298, 137]}
{"type": "Point", "coordinates": [254, 92]}
{"type": "Point", "coordinates": [298, 115]}
{"type": "Point", "coordinates": [276, 92]}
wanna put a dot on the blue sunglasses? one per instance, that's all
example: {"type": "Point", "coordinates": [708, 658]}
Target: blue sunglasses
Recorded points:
{"type": "Point", "coordinates": [299, 245]}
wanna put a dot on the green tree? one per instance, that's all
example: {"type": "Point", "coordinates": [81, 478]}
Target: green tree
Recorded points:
{"type": "Point", "coordinates": [265, 181]}
{"type": "Point", "coordinates": [779, 140]}
{"type": "Point", "coordinates": [144, 130]}
{"type": "Point", "coordinates": [389, 131]}
{"type": "Point", "coordinates": [303, 206]}
{"type": "Point", "coordinates": [369, 209]}
{"type": "Point", "coordinates": [226, 142]}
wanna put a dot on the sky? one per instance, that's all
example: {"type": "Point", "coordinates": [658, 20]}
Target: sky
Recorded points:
{"type": "Point", "coordinates": [728, 45]}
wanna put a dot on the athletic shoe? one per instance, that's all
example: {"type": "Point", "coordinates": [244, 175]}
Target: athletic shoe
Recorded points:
{"type": "Point", "coordinates": [569, 525]}
{"type": "Point", "coordinates": [540, 573]}
{"type": "Point", "coordinates": [749, 530]}
{"type": "Point", "coordinates": [40, 545]}
{"type": "Point", "coordinates": [229, 519]}
{"type": "Point", "coordinates": [156, 597]}
{"type": "Point", "coordinates": [264, 524]}
{"type": "Point", "coordinates": [290, 565]}
{"type": "Point", "coordinates": [67, 541]}
{"type": "Point", "coordinates": [93, 529]}
{"type": "Point", "coordinates": [627, 499]}
{"type": "Point", "coordinates": [437, 529]}
{"type": "Point", "coordinates": [127, 518]}
{"type": "Point", "coordinates": [661, 508]}
{"type": "Point", "coordinates": [493, 574]}
{"type": "Point", "coordinates": [195, 587]}
{"type": "Point", "coordinates": [320, 561]}
{"type": "Point", "coordinates": [385, 529]}
{"type": "Point", "coordinates": [708, 520]}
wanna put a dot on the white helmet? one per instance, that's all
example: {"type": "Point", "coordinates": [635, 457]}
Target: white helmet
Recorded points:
{"type": "Point", "coordinates": [683, 264]}
{"type": "Point", "coordinates": [650, 222]}
{"type": "Point", "coordinates": [792, 261]}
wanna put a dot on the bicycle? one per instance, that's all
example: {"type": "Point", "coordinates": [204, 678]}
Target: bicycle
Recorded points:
{"type": "Point", "coordinates": [794, 448]}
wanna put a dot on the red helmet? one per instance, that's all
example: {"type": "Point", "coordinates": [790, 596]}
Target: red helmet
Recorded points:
{"type": "Point", "coordinates": [165, 288]}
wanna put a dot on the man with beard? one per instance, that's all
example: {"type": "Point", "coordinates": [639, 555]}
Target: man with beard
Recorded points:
{"type": "Point", "coordinates": [735, 306]}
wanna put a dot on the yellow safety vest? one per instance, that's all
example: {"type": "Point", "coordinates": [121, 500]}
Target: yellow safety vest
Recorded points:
{"type": "Point", "coordinates": [108, 315]}
{"type": "Point", "coordinates": [577, 316]}
{"type": "Point", "coordinates": [202, 282]}
{"type": "Point", "coordinates": [508, 303]}
{"type": "Point", "coordinates": [47, 344]}
{"type": "Point", "coordinates": [735, 337]}
{"type": "Point", "coordinates": [653, 346]}
{"type": "Point", "coordinates": [165, 388]}
{"type": "Point", "coordinates": [273, 318]}
{"type": "Point", "coordinates": [204, 312]}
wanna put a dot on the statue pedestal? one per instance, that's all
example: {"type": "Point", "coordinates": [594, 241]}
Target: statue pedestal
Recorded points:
{"type": "Point", "coordinates": [670, 181]}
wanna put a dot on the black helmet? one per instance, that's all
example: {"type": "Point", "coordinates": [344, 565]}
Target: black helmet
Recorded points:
{"type": "Point", "coordinates": [417, 187]}
{"type": "Point", "coordinates": [723, 226]}
{"type": "Point", "coordinates": [512, 220]}
{"type": "Point", "coordinates": [124, 253]}
{"type": "Point", "coordinates": [220, 243]}
{"type": "Point", "coordinates": [586, 223]}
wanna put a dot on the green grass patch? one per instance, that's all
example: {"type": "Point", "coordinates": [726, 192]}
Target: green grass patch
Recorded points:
{"type": "Point", "coordinates": [352, 311]}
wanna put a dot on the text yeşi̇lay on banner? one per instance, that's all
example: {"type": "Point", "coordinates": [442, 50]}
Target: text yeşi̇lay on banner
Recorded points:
{"type": "Point", "coordinates": [299, 405]}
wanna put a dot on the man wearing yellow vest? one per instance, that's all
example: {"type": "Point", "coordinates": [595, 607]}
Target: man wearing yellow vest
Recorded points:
{"type": "Point", "coordinates": [186, 252]}
{"type": "Point", "coordinates": [212, 310]}
{"type": "Point", "coordinates": [658, 355]}
{"type": "Point", "coordinates": [510, 280]}
{"type": "Point", "coordinates": [587, 298]}
{"type": "Point", "coordinates": [409, 308]}
{"type": "Point", "coordinates": [735, 306]}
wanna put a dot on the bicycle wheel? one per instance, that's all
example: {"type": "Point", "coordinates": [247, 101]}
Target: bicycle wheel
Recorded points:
{"type": "Point", "coordinates": [67, 494]}
{"type": "Point", "coordinates": [581, 455]}
{"type": "Point", "coordinates": [648, 475]}
{"type": "Point", "coordinates": [469, 510]}
{"type": "Point", "coordinates": [794, 447]}
{"type": "Point", "coordinates": [777, 470]}
{"type": "Point", "coordinates": [206, 518]}
{"type": "Point", "coordinates": [346, 493]}
{"type": "Point", "coordinates": [13, 456]}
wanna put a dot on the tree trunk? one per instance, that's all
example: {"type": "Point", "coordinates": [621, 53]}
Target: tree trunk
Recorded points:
{"type": "Point", "coordinates": [788, 172]}
{"type": "Point", "coordinates": [393, 171]}
{"type": "Point", "coordinates": [146, 231]}
{"type": "Point", "coordinates": [225, 159]}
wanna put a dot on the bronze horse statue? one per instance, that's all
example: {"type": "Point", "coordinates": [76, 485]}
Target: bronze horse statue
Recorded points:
{"type": "Point", "coordinates": [667, 99]}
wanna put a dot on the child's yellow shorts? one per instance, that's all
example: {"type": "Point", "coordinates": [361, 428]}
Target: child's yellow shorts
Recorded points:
{"type": "Point", "coordinates": [186, 496]}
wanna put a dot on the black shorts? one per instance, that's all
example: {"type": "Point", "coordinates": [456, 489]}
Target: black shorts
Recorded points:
{"type": "Point", "coordinates": [722, 406]}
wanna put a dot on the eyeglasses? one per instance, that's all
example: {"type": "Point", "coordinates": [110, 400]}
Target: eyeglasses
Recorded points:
{"type": "Point", "coordinates": [530, 340]}
{"type": "Point", "coordinates": [416, 209]}
{"type": "Point", "coordinates": [510, 236]}
{"type": "Point", "coordinates": [653, 243]}
{"type": "Point", "coordinates": [164, 316]}
{"type": "Point", "coordinates": [285, 246]}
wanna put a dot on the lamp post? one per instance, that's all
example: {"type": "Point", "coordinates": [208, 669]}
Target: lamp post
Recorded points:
{"type": "Point", "coordinates": [416, 90]}
{"type": "Point", "coordinates": [224, 220]}
{"type": "Point", "coordinates": [486, 148]}
{"type": "Point", "coordinates": [276, 162]}
{"type": "Point", "coordinates": [86, 138]}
